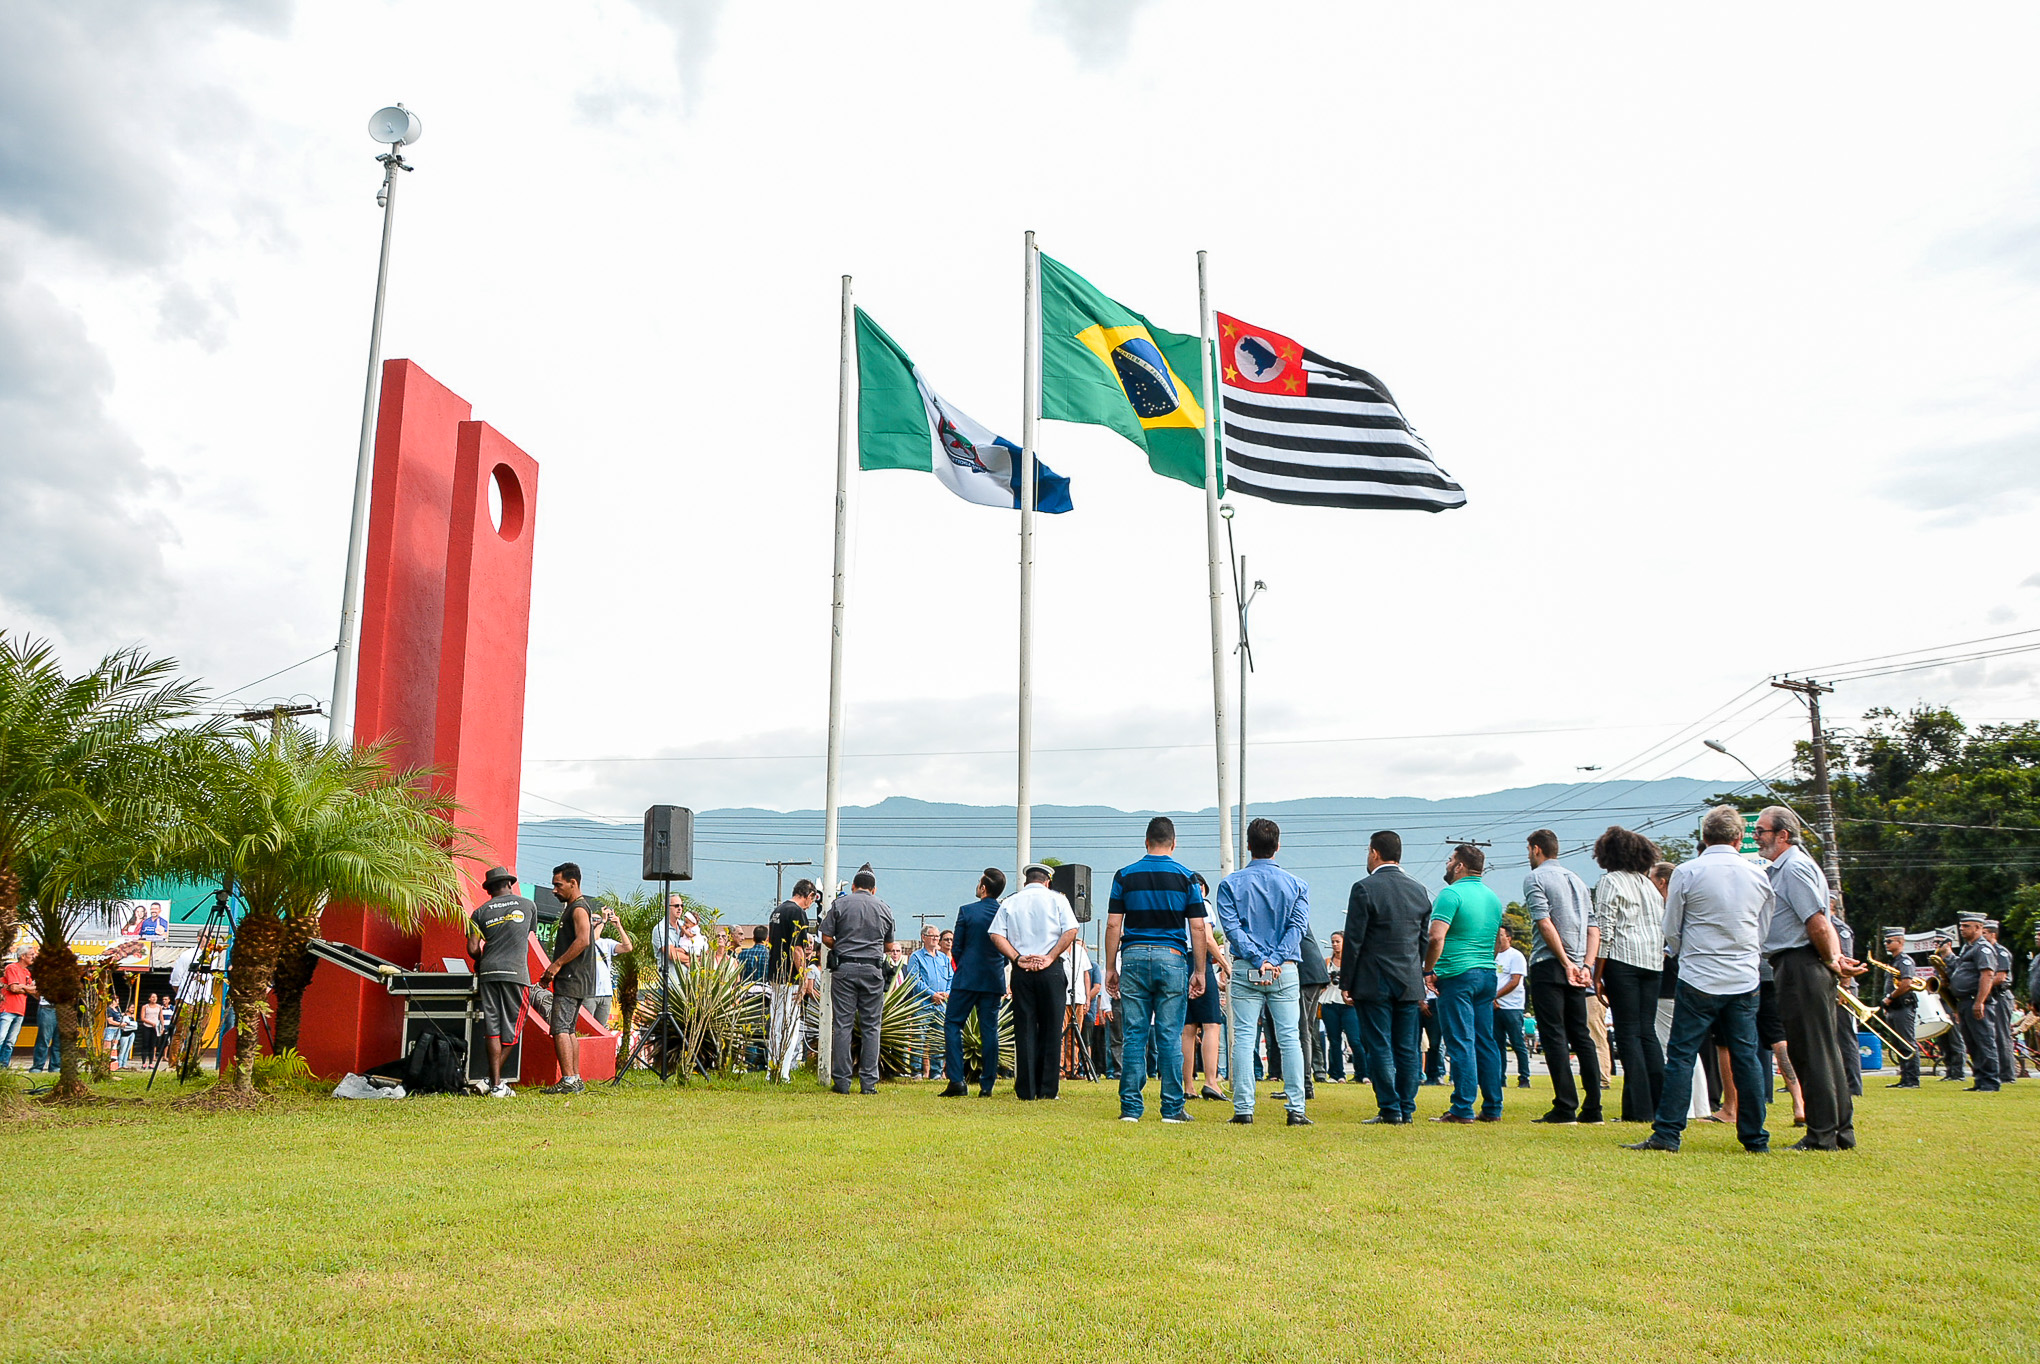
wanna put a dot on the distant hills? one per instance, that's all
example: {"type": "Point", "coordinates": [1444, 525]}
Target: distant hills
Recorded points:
{"type": "Point", "coordinates": [928, 855]}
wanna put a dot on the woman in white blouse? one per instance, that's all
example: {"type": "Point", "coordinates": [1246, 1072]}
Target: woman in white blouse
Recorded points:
{"type": "Point", "coordinates": [1630, 913]}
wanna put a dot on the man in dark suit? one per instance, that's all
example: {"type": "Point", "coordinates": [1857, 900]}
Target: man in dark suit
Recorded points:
{"type": "Point", "coordinates": [979, 983]}
{"type": "Point", "coordinates": [1382, 975]}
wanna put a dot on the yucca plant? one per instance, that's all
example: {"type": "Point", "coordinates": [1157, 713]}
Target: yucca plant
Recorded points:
{"type": "Point", "coordinates": [292, 821]}
{"type": "Point", "coordinates": [718, 1015]}
{"type": "Point", "coordinates": [905, 1028]}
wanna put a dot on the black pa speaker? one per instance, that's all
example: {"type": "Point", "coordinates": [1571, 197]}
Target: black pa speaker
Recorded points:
{"type": "Point", "coordinates": [1074, 882]}
{"type": "Point", "coordinates": [669, 843]}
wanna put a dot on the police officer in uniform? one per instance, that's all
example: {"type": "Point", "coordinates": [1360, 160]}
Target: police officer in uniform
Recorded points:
{"type": "Point", "coordinates": [1902, 1008]}
{"type": "Point", "coordinates": [2001, 1004]}
{"type": "Point", "coordinates": [1845, 1022]}
{"type": "Point", "coordinates": [856, 930]}
{"type": "Point", "coordinates": [1972, 980]}
{"type": "Point", "coordinates": [1953, 1053]}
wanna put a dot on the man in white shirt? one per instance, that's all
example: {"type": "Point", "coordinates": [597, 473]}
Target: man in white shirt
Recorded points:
{"type": "Point", "coordinates": [1717, 910]}
{"type": "Point", "coordinates": [1077, 995]}
{"type": "Point", "coordinates": [1510, 1001]}
{"type": "Point", "coordinates": [1032, 930]}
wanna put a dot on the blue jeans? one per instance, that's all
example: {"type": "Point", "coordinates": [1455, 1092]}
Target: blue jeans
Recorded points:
{"type": "Point", "coordinates": [1154, 994]}
{"type": "Point", "coordinates": [1509, 1037]}
{"type": "Point", "coordinates": [1249, 996]}
{"type": "Point", "coordinates": [1342, 1025]}
{"type": "Point", "coordinates": [1389, 1033]}
{"type": "Point", "coordinates": [1464, 1003]}
{"type": "Point", "coordinates": [961, 1002]}
{"type": "Point", "coordinates": [1695, 1016]}
{"type": "Point", "coordinates": [47, 1047]}
{"type": "Point", "coordinates": [10, 1028]}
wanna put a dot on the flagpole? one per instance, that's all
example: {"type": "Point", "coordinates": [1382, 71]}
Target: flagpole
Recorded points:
{"type": "Point", "coordinates": [832, 783]}
{"type": "Point", "coordinates": [1217, 588]}
{"type": "Point", "coordinates": [1030, 406]}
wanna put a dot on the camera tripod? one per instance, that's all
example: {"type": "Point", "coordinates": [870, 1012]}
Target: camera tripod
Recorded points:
{"type": "Point", "coordinates": [215, 941]}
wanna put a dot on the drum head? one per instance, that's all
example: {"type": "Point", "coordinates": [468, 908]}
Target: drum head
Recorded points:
{"type": "Point", "coordinates": [1933, 1018]}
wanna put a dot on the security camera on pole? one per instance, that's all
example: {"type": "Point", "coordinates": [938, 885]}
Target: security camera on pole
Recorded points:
{"type": "Point", "coordinates": [397, 128]}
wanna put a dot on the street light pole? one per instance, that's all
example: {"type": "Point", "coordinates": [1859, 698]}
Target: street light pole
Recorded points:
{"type": "Point", "coordinates": [398, 127]}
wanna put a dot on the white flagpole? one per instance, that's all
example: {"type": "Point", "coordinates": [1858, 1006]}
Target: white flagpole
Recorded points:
{"type": "Point", "coordinates": [1211, 491]}
{"type": "Point", "coordinates": [1030, 377]}
{"type": "Point", "coordinates": [833, 782]}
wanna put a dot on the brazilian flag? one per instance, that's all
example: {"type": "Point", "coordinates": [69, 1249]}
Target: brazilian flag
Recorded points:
{"type": "Point", "coordinates": [1105, 364]}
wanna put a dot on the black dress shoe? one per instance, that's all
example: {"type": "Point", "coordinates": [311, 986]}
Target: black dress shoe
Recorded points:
{"type": "Point", "coordinates": [841, 1089]}
{"type": "Point", "coordinates": [1806, 1144]}
{"type": "Point", "coordinates": [868, 1089]}
{"type": "Point", "coordinates": [1243, 1119]}
{"type": "Point", "coordinates": [1488, 1117]}
{"type": "Point", "coordinates": [1651, 1143]}
{"type": "Point", "coordinates": [1904, 1084]}
{"type": "Point", "coordinates": [1586, 1121]}
{"type": "Point", "coordinates": [1383, 1119]}
{"type": "Point", "coordinates": [1522, 1084]}
{"type": "Point", "coordinates": [1298, 1120]}
{"type": "Point", "coordinates": [955, 1091]}
{"type": "Point", "coordinates": [1981, 1089]}
{"type": "Point", "coordinates": [1555, 1120]}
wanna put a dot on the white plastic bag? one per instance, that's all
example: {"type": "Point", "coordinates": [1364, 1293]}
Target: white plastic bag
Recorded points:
{"type": "Point", "coordinates": [361, 1087]}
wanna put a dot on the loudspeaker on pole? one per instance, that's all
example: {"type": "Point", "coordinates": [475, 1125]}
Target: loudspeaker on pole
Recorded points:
{"type": "Point", "coordinates": [1073, 881]}
{"type": "Point", "coordinates": [669, 843]}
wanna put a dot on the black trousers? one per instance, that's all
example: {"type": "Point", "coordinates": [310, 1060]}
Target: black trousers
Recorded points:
{"type": "Point", "coordinates": [1980, 1036]}
{"type": "Point", "coordinates": [1852, 1050]}
{"type": "Point", "coordinates": [1806, 1006]}
{"type": "Point", "coordinates": [1561, 1009]}
{"type": "Point", "coordinates": [1903, 1022]}
{"type": "Point", "coordinates": [1037, 1031]}
{"type": "Point", "coordinates": [1632, 1004]}
{"type": "Point", "coordinates": [1434, 1045]}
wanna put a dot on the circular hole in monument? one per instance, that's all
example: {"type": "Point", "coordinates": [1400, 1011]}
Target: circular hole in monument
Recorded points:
{"type": "Point", "coordinates": [506, 502]}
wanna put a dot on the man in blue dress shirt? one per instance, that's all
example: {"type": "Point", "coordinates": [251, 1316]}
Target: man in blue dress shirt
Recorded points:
{"type": "Point", "coordinates": [929, 971]}
{"type": "Point", "coordinates": [1265, 911]}
{"type": "Point", "coordinates": [979, 983]}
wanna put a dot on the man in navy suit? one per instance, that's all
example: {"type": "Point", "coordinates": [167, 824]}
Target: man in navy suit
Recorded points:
{"type": "Point", "coordinates": [1382, 976]}
{"type": "Point", "coordinates": [979, 983]}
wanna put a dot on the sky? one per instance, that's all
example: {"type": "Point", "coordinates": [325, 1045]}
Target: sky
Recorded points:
{"type": "Point", "coordinates": [1724, 324]}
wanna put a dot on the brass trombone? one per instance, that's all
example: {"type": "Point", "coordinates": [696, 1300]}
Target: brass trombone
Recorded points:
{"type": "Point", "coordinates": [1870, 1020]}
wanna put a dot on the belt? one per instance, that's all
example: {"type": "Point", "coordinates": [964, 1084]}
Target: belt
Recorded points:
{"type": "Point", "coordinates": [1785, 952]}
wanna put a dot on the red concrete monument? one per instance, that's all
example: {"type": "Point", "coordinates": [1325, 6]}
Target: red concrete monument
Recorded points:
{"type": "Point", "coordinates": [445, 624]}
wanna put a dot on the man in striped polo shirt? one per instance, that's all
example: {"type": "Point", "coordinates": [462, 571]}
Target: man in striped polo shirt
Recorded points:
{"type": "Point", "coordinates": [1153, 966]}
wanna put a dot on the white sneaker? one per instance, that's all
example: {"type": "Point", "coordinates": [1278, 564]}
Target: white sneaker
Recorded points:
{"type": "Point", "coordinates": [502, 1091]}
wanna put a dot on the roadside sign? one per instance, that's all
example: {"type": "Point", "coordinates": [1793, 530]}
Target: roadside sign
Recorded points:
{"type": "Point", "coordinates": [1749, 833]}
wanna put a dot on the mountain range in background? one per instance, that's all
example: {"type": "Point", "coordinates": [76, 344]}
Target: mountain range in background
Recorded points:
{"type": "Point", "coordinates": [928, 856]}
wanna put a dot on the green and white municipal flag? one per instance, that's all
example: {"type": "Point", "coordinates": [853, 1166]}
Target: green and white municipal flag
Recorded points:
{"type": "Point", "coordinates": [1103, 363]}
{"type": "Point", "coordinates": [902, 423]}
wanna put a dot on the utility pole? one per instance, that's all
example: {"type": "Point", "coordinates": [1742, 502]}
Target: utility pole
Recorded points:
{"type": "Point", "coordinates": [779, 883]}
{"type": "Point", "coordinates": [1810, 692]}
{"type": "Point", "coordinates": [276, 715]}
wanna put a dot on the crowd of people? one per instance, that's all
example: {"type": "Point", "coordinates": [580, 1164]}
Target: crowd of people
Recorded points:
{"type": "Point", "coordinates": [1699, 982]}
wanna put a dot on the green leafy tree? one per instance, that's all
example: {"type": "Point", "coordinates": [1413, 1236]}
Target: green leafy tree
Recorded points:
{"type": "Point", "coordinates": [94, 770]}
{"type": "Point", "coordinates": [295, 822]}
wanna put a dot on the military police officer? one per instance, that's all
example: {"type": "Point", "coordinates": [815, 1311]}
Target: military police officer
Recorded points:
{"type": "Point", "coordinates": [1972, 980]}
{"type": "Point", "coordinates": [2001, 1004]}
{"type": "Point", "coordinates": [856, 930]}
{"type": "Point", "coordinates": [1950, 1042]}
{"type": "Point", "coordinates": [1902, 1008]}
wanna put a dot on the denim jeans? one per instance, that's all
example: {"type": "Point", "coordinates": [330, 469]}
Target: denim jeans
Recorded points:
{"type": "Point", "coordinates": [1249, 996]}
{"type": "Point", "coordinates": [1389, 1033]}
{"type": "Point", "coordinates": [47, 1046]}
{"type": "Point", "coordinates": [10, 1028]}
{"type": "Point", "coordinates": [961, 1002]}
{"type": "Point", "coordinates": [1463, 1004]}
{"type": "Point", "coordinates": [1694, 1020]}
{"type": "Point", "coordinates": [1342, 1026]}
{"type": "Point", "coordinates": [1509, 1037]}
{"type": "Point", "coordinates": [1154, 993]}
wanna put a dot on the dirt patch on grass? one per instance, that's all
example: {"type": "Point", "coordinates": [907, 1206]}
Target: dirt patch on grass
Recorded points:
{"type": "Point", "coordinates": [221, 1099]}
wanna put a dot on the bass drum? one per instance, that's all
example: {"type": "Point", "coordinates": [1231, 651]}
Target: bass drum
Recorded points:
{"type": "Point", "coordinates": [1933, 1017]}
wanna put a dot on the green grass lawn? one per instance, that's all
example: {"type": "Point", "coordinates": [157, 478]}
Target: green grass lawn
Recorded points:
{"type": "Point", "coordinates": [751, 1223]}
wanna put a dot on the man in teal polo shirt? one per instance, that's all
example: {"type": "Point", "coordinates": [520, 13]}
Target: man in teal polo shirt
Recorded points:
{"type": "Point", "coordinates": [1460, 958]}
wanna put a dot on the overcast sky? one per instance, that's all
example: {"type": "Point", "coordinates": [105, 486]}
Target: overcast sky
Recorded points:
{"type": "Point", "coordinates": [1726, 326]}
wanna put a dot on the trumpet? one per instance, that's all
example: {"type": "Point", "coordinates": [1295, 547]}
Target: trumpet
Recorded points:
{"type": "Point", "coordinates": [1872, 1022]}
{"type": "Point", "coordinates": [1904, 982]}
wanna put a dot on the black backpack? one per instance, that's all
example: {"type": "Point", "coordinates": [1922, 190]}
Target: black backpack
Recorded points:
{"type": "Point", "coordinates": [436, 1065]}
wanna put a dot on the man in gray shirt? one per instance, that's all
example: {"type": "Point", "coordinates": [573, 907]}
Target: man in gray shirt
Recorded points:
{"type": "Point", "coordinates": [1972, 979]}
{"type": "Point", "coordinates": [1717, 908]}
{"type": "Point", "coordinates": [856, 930]}
{"type": "Point", "coordinates": [1563, 945]}
{"type": "Point", "coordinates": [498, 941]}
{"type": "Point", "coordinates": [1807, 962]}
{"type": "Point", "coordinates": [2001, 1004]}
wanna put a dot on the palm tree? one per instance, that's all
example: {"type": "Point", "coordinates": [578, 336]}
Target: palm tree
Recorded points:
{"type": "Point", "coordinates": [293, 822]}
{"type": "Point", "coordinates": [91, 773]}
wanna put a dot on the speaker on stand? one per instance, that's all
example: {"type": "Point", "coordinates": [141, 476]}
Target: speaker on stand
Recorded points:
{"type": "Point", "coordinates": [669, 857]}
